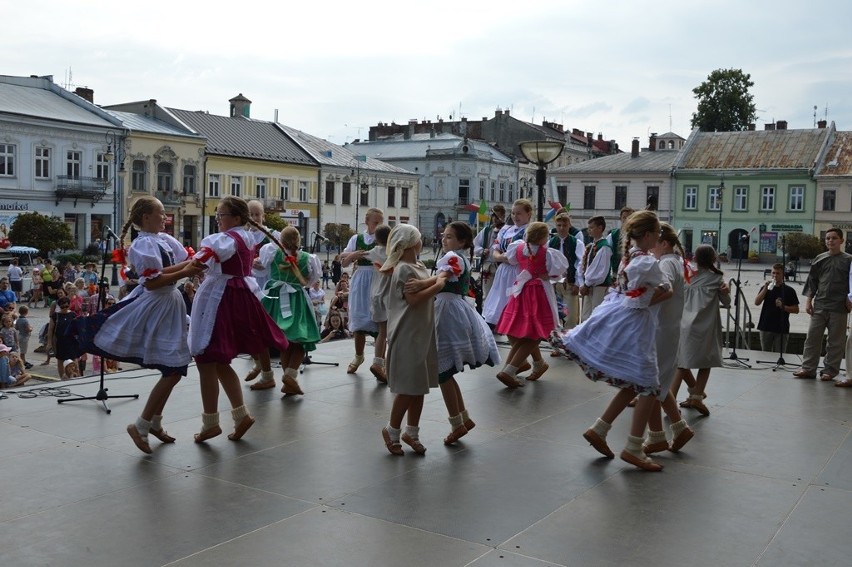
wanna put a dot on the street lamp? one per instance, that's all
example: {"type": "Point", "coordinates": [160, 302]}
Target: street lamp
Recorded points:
{"type": "Point", "coordinates": [719, 204]}
{"type": "Point", "coordinates": [115, 152]}
{"type": "Point", "coordinates": [541, 153]}
{"type": "Point", "coordinates": [360, 188]}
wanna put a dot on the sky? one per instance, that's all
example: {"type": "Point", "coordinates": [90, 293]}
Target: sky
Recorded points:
{"type": "Point", "coordinates": [620, 68]}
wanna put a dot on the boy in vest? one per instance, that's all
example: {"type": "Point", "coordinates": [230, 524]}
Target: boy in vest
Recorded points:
{"type": "Point", "coordinates": [568, 290]}
{"type": "Point", "coordinates": [482, 247]}
{"type": "Point", "coordinates": [597, 267]}
{"type": "Point", "coordinates": [615, 239]}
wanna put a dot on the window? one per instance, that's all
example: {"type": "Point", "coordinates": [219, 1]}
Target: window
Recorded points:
{"type": "Point", "coordinates": [260, 188]}
{"type": "Point", "coordinates": [391, 196]}
{"type": "Point", "coordinates": [7, 160]}
{"type": "Point", "coordinates": [464, 191]}
{"type": "Point", "coordinates": [101, 166]}
{"type": "Point", "coordinates": [137, 177]}
{"type": "Point", "coordinates": [189, 180]}
{"type": "Point", "coordinates": [828, 198]}
{"type": "Point", "coordinates": [562, 193]}
{"type": "Point", "coordinates": [714, 199]}
{"type": "Point", "coordinates": [767, 198]}
{"type": "Point", "coordinates": [213, 185]}
{"type": "Point", "coordinates": [797, 198]}
{"type": "Point", "coordinates": [589, 197]}
{"type": "Point", "coordinates": [481, 189]}
{"type": "Point", "coordinates": [690, 198]}
{"type": "Point", "coordinates": [329, 192]}
{"type": "Point", "coordinates": [42, 162]}
{"type": "Point", "coordinates": [73, 163]}
{"type": "Point", "coordinates": [303, 191]}
{"type": "Point", "coordinates": [652, 197]}
{"type": "Point", "coordinates": [164, 177]}
{"type": "Point", "coordinates": [346, 197]}
{"type": "Point", "coordinates": [493, 191]}
{"type": "Point", "coordinates": [285, 190]}
{"type": "Point", "coordinates": [404, 197]}
{"type": "Point", "coordinates": [236, 186]}
{"type": "Point", "coordinates": [620, 197]}
{"type": "Point", "coordinates": [502, 198]}
{"type": "Point", "coordinates": [740, 198]}
{"type": "Point", "coordinates": [511, 192]}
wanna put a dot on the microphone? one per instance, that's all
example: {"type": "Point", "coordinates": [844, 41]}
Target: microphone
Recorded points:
{"type": "Point", "coordinates": [319, 236]}
{"type": "Point", "coordinates": [110, 233]}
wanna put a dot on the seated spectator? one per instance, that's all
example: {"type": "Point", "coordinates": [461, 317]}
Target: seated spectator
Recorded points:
{"type": "Point", "coordinates": [7, 380]}
{"type": "Point", "coordinates": [18, 370]}
{"type": "Point", "coordinates": [187, 291]}
{"type": "Point", "coordinates": [334, 328]}
{"type": "Point", "coordinates": [7, 296]}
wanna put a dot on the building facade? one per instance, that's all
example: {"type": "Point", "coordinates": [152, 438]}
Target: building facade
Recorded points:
{"type": "Point", "coordinates": [834, 188]}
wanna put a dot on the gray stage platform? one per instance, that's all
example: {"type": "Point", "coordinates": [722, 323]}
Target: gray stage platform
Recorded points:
{"type": "Point", "coordinates": [765, 482]}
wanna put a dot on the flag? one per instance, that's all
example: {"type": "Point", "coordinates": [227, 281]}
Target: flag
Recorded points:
{"type": "Point", "coordinates": [472, 220]}
{"type": "Point", "coordinates": [473, 207]}
{"type": "Point", "coordinates": [483, 211]}
{"type": "Point", "coordinates": [554, 207]}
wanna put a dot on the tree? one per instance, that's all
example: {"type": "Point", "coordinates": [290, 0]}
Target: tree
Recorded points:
{"type": "Point", "coordinates": [274, 221]}
{"type": "Point", "coordinates": [42, 232]}
{"type": "Point", "coordinates": [801, 245]}
{"type": "Point", "coordinates": [724, 102]}
{"type": "Point", "coordinates": [338, 234]}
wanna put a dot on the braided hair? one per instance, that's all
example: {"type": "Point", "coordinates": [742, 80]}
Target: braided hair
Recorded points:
{"type": "Point", "coordinates": [144, 205]}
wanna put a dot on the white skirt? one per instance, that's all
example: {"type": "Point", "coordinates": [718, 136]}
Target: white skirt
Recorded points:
{"type": "Point", "coordinates": [497, 298]}
{"type": "Point", "coordinates": [360, 318]}
{"type": "Point", "coordinates": [463, 335]}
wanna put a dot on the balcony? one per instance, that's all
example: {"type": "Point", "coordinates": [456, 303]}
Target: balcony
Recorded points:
{"type": "Point", "coordinates": [167, 198]}
{"type": "Point", "coordinates": [92, 188]}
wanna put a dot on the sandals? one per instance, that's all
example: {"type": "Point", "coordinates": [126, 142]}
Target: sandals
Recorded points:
{"type": "Point", "coordinates": [253, 373]}
{"type": "Point", "coordinates": [826, 377]}
{"type": "Point", "coordinates": [469, 424]}
{"type": "Point", "coordinates": [843, 383]}
{"type": "Point", "coordinates": [524, 367]}
{"type": "Point", "coordinates": [645, 464]}
{"type": "Point", "coordinates": [291, 387]}
{"type": "Point", "coordinates": [208, 434]}
{"type": "Point", "coordinates": [455, 435]}
{"type": "Point", "coordinates": [681, 439]}
{"type": "Point", "coordinates": [415, 444]}
{"type": "Point", "coordinates": [241, 428]}
{"type": "Point", "coordinates": [599, 443]}
{"type": "Point", "coordinates": [140, 442]}
{"type": "Point", "coordinates": [538, 370]}
{"type": "Point", "coordinates": [379, 373]}
{"type": "Point", "coordinates": [162, 435]}
{"type": "Point", "coordinates": [394, 447]}
{"type": "Point", "coordinates": [658, 447]}
{"type": "Point", "coordinates": [508, 381]}
{"type": "Point", "coordinates": [804, 374]}
{"type": "Point", "coordinates": [356, 362]}
{"type": "Point", "coordinates": [262, 385]}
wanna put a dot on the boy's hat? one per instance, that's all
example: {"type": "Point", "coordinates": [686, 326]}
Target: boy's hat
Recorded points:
{"type": "Point", "coordinates": [4, 348]}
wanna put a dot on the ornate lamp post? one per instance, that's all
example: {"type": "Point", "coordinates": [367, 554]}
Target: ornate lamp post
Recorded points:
{"type": "Point", "coordinates": [115, 152]}
{"type": "Point", "coordinates": [360, 188]}
{"type": "Point", "coordinates": [541, 153]}
{"type": "Point", "coordinates": [719, 204]}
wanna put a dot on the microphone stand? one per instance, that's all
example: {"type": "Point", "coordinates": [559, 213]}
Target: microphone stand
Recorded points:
{"type": "Point", "coordinates": [738, 361]}
{"type": "Point", "coordinates": [307, 360]}
{"type": "Point", "coordinates": [103, 393]}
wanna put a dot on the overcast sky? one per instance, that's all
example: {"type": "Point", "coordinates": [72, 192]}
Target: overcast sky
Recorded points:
{"type": "Point", "coordinates": [622, 68]}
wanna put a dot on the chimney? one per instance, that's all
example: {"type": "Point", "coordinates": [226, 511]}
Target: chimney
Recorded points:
{"type": "Point", "coordinates": [652, 143]}
{"type": "Point", "coordinates": [600, 137]}
{"type": "Point", "coordinates": [770, 126]}
{"type": "Point", "coordinates": [781, 125]}
{"type": "Point", "coordinates": [634, 150]}
{"type": "Point", "coordinates": [751, 127]}
{"type": "Point", "coordinates": [85, 93]}
{"type": "Point", "coordinates": [506, 112]}
{"type": "Point", "coordinates": [240, 106]}
{"type": "Point", "coordinates": [409, 132]}
{"type": "Point", "coordinates": [463, 126]}
{"type": "Point", "coordinates": [498, 113]}
{"type": "Point", "coordinates": [822, 124]}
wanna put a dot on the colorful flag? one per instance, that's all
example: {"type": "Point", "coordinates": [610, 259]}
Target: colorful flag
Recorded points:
{"type": "Point", "coordinates": [483, 211]}
{"type": "Point", "coordinates": [554, 207]}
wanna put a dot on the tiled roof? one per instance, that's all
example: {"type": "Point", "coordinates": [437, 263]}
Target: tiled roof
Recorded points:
{"type": "Point", "coordinates": [139, 123]}
{"type": "Point", "coordinates": [838, 158]}
{"type": "Point", "coordinates": [327, 153]}
{"type": "Point", "coordinates": [764, 149]}
{"type": "Point", "coordinates": [647, 161]}
{"type": "Point", "coordinates": [38, 97]}
{"type": "Point", "coordinates": [244, 138]}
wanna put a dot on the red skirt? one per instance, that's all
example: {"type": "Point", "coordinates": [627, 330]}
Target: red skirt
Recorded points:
{"type": "Point", "coordinates": [528, 315]}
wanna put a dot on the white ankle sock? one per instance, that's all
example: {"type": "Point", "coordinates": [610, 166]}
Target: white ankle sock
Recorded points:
{"type": "Point", "coordinates": [678, 427]}
{"type": "Point", "coordinates": [412, 431]}
{"type": "Point", "coordinates": [393, 432]}
{"type": "Point", "coordinates": [634, 446]}
{"type": "Point", "coordinates": [601, 427]}
{"type": "Point", "coordinates": [656, 437]}
{"type": "Point", "coordinates": [510, 370]}
{"type": "Point", "coordinates": [267, 376]}
{"type": "Point", "coordinates": [142, 426]}
{"type": "Point", "coordinates": [157, 422]}
{"type": "Point", "coordinates": [209, 420]}
{"type": "Point", "coordinates": [239, 413]}
{"type": "Point", "coordinates": [456, 421]}
{"type": "Point", "coordinates": [379, 361]}
{"type": "Point", "coordinates": [464, 415]}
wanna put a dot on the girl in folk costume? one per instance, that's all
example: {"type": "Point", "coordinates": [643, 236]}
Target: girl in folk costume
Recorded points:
{"type": "Point", "coordinates": [286, 300]}
{"type": "Point", "coordinates": [227, 317]}
{"type": "Point", "coordinates": [260, 273]}
{"type": "Point", "coordinates": [412, 358]}
{"type": "Point", "coordinates": [360, 320]}
{"type": "Point", "coordinates": [378, 301]}
{"type": "Point", "coordinates": [629, 365]}
{"type": "Point", "coordinates": [463, 335]}
{"type": "Point", "coordinates": [148, 327]}
{"type": "Point", "coordinates": [530, 315]}
{"type": "Point", "coordinates": [506, 273]}
{"type": "Point", "coordinates": [669, 252]}
{"type": "Point", "coordinates": [701, 328]}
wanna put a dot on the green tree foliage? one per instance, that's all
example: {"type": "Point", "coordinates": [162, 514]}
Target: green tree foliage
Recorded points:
{"type": "Point", "coordinates": [274, 221]}
{"type": "Point", "coordinates": [42, 232]}
{"type": "Point", "coordinates": [724, 102]}
{"type": "Point", "coordinates": [338, 234]}
{"type": "Point", "coordinates": [801, 245]}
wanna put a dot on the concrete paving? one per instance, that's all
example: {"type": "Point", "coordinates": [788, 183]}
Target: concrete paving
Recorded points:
{"type": "Point", "coordinates": [764, 482]}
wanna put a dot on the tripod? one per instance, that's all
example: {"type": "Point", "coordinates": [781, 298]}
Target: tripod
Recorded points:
{"type": "Point", "coordinates": [307, 360]}
{"type": "Point", "coordinates": [737, 361]}
{"type": "Point", "coordinates": [103, 393]}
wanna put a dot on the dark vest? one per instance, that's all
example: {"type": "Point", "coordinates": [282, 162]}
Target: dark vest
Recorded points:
{"type": "Point", "coordinates": [569, 248]}
{"type": "Point", "coordinates": [361, 245]}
